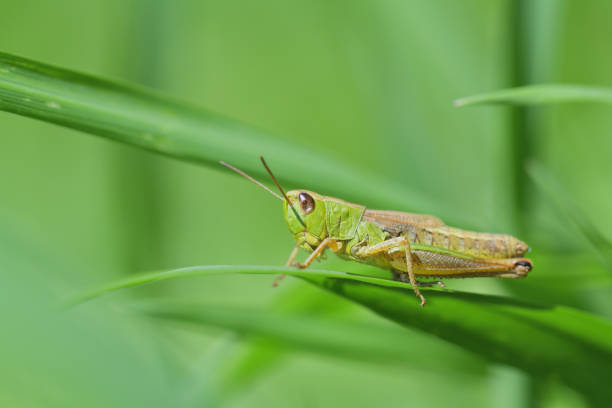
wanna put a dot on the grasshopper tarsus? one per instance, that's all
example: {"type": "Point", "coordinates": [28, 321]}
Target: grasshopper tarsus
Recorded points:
{"type": "Point", "coordinates": [277, 280]}
{"type": "Point", "coordinates": [404, 277]}
{"type": "Point", "coordinates": [423, 301]}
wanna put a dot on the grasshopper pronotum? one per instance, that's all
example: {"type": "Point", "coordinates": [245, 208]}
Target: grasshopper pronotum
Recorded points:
{"type": "Point", "coordinates": [410, 245]}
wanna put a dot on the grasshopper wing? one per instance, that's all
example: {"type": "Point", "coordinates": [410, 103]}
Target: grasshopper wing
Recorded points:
{"type": "Point", "coordinates": [396, 221]}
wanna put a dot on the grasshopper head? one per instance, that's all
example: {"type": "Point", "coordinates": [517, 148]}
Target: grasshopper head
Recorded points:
{"type": "Point", "coordinates": [304, 210]}
{"type": "Point", "coordinates": [309, 229]}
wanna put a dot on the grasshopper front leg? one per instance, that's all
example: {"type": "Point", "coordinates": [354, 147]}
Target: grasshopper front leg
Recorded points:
{"type": "Point", "coordinates": [292, 256]}
{"type": "Point", "coordinates": [327, 242]}
{"type": "Point", "coordinates": [388, 245]}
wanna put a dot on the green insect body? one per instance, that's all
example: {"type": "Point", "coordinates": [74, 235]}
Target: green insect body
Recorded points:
{"type": "Point", "coordinates": [329, 218]}
{"type": "Point", "coordinates": [410, 245]}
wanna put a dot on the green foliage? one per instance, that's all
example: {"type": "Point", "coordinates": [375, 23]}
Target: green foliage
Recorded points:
{"type": "Point", "coordinates": [149, 121]}
{"type": "Point", "coordinates": [350, 99]}
{"type": "Point", "coordinates": [540, 95]}
{"type": "Point", "coordinates": [571, 211]}
{"type": "Point", "coordinates": [529, 336]}
{"type": "Point", "coordinates": [331, 337]}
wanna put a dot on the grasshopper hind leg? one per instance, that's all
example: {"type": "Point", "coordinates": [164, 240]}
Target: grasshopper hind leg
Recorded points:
{"type": "Point", "coordinates": [403, 277]}
{"type": "Point", "coordinates": [388, 246]}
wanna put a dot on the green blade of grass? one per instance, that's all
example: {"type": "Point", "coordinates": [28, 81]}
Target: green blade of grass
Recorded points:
{"type": "Point", "coordinates": [329, 336]}
{"type": "Point", "coordinates": [191, 271]}
{"type": "Point", "coordinates": [546, 182]}
{"type": "Point", "coordinates": [537, 339]}
{"type": "Point", "coordinates": [258, 355]}
{"type": "Point", "coordinates": [156, 123]}
{"type": "Point", "coordinates": [540, 95]}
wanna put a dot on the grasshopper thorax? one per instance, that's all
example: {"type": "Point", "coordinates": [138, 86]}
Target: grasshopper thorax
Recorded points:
{"type": "Point", "coordinates": [308, 225]}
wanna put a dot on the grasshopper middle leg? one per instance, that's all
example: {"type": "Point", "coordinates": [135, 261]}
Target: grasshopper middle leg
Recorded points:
{"type": "Point", "coordinates": [388, 245]}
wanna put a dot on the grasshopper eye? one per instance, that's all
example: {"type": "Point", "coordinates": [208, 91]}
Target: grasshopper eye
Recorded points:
{"type": "Point", "coordinates": [306, 202]}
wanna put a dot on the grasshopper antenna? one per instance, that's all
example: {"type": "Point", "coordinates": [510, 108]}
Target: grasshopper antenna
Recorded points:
{"type": "Point", "coordinates": [242, 173]}
{"type": "Point", "coordinates": [282, 191]}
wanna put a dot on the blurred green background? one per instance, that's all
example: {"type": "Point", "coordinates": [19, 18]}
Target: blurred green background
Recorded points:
{"type": "Point", "coordinates": [370, 84]}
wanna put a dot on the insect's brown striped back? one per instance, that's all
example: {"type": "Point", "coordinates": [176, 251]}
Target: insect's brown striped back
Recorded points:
{"type": "Point", "coordinates": [429, 230]}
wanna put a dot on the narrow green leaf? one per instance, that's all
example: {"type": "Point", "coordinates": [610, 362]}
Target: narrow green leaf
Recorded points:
{"type": "Point", "coordinates": [254, 360]}
{"type": "Point", "coordinates": [191, 271]}
{"type": "Point", "coordinates": [540, 95]}
{"type": "Point", "coordinates": [329, 336]}
{"type": "Point", "coordinates": [541, 340]}
{"type": "Point", "coordinates": [147, 120]}
{"type": "Point", "coordinates": [258, 354]}
{"type": "Point", "coordinates": [535, 338]}
{"type": "Point", "coordinates": [566, 205]}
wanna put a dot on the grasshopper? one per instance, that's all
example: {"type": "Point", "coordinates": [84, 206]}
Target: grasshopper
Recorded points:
{"type": "Point", "coordinates": [410, 245]}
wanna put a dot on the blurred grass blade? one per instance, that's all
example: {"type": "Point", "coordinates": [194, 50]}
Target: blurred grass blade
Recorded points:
{"type": "Point", "coordinates": [258, 355]}
{"type": "Point", "coordinates": [256, 358]}
{"type": "Point", "coordinates": [536, 339]}
{"type": "Point", "coordinates": [329, 336]}
{"type": "Point", "coordinates": [156, 123]}
{"type": "Point", "coordinates": [561, 199]}
{"type": "Point", "coordinates": [540, 95]}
